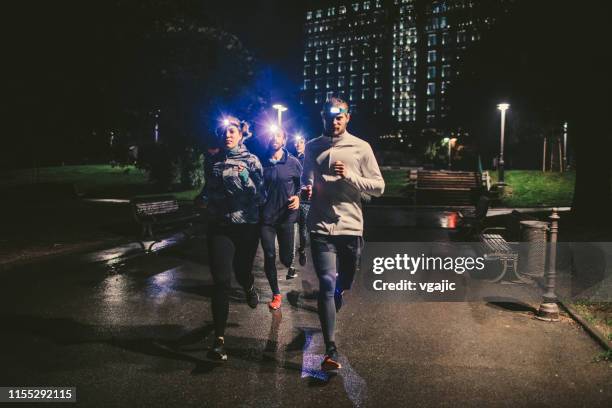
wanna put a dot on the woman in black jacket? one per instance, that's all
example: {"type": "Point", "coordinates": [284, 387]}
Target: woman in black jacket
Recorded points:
{"type": "Point", "coordinates": [282, 173]}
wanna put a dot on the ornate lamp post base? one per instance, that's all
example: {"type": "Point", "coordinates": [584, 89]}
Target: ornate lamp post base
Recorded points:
{"type": "Point", "coordinates": [548, 312]}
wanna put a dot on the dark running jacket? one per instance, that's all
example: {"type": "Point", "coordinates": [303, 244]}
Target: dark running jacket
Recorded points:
{"type": "Point", "coordinates": [281, 181]}
{"type": "Point", "coordinates": [229, 199]}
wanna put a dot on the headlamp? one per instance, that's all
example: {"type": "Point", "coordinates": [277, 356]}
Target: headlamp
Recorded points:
{"type": "Point", "coordinates": [336, 110]}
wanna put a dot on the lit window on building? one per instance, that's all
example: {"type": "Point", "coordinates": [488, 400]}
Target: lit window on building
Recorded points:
{"type": "Point", "coordinates": [365, 79]}
{"type": "Point", "coordinates": [446, 71]}
{"type": "Point", "coordinates": [308, 15]}
{"type": "Point", "coordinates": [366, 5]}
{"type": "Point", "coordinates": [319, 13]}
{"type": "Point", "coordinates": [331, 12]}
{"type": "Point", "coordinates": [431, 56]}
{"type": "Point", "coordinates": [431, 105]}
{"type": "Point", "coordinates": [341, 66]}
{"type": "Point", "coordinates": [431, 88]}
{"type": "Point", "coordinates": [377, 93]}
{"type": "Point", "coordinates": [443, 86]}
{"type": "Point", "coordinates": [356, 6]}
{"type": "Point", "coordinates": [342, 9]}
{"type": "Point", "coordinates": [353, 80]}
{"type": "Point", "coordinates": [353, 65]}
{"type": "Point", "coordinates": [330, 68]}
{"type": "Point", "coordinates": [461, 36]}
{"type": "Point", "coordinates": [443, 22]}
{"type": "Point", "coordinates": [351, 95]}
{"type": "Point", "coordinates": [431, 72]}
{"type": "Point", "coordinates": [431, 40]}
{"type": "Point", "coordinates": [328, 84]}
{"type": "Point", "coordinates": [318, 69]}
{"type": "Point", "coordinates": [365, 93]}
{"type": "Point", "coordinates": [306, 84]}
{"type": "Point", "coordinates": [341, 82]}
{"type": "Point", "coordinates": [329, 95]}
{"type": "Point", "coordinates": [341, 52]}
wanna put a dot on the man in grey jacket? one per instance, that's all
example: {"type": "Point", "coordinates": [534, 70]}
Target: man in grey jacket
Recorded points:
{"type": "Point", "coordinates": [338, 168]}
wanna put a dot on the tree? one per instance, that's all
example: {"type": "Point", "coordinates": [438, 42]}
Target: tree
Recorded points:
{"type": "Point", "coordinates": [547, 59]}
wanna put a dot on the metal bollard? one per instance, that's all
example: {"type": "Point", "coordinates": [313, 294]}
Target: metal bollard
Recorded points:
{"type": "Point", "coordinates": [549, 310]}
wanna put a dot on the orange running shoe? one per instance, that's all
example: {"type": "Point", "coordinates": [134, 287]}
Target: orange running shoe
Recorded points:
{"type": "Point", "coordinates": [330, 361]}
{"type": "Point", "coordinates": [275, 303]}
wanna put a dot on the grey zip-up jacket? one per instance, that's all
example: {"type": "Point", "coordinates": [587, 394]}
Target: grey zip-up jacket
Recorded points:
{"type": "Point", "coordinates": [335, 206]}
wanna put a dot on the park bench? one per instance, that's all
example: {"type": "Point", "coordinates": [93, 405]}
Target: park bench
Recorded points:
{"type": "Point", "coordinates": [494, 248]}
{"type": "Point", "coordinates": [492, 244]}
{"type": "Point", "coordinates": [157, 213]}
{"type": "Point", "coordinates": [439, 187]}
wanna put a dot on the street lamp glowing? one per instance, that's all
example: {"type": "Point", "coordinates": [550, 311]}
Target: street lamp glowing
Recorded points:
{"type": "Point", "coordinates": [503, 106]}
{"type": "Point", "coordinates": [279, 109]}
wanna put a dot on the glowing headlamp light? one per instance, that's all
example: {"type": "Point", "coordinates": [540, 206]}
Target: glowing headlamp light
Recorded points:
{"type": "Point", "coordinates": [336, 110]}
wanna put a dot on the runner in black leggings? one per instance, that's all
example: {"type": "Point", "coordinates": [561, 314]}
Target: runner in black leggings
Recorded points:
{"type": "Point", "coordinates": [232, 196]}
{"type": "Point", "coordinates": [282, 173]}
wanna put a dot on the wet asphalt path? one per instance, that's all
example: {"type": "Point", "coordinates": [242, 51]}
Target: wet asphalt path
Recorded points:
{"type": "Point", "coordinates": [135, 333]}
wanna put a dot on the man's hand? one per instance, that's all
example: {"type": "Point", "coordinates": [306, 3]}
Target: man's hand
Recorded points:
{"type": "Point", "coordinates": [294, 202]}
{"type": "Point", "coordinates": [307, 192]}
{"type": "Point", "coordinates": [340, 169]}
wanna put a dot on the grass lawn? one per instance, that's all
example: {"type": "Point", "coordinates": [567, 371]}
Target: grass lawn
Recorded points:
{"type": "Point", "coordinates": [533, 188]}
{"type": "Point", "coordinates": [395, 182]}
{"type": "Point", "coordinates": [599, 315]}
{"type": "Point", "coordinates": [527, 187]}
{"type": "Point", "coordinates": [98, 180]}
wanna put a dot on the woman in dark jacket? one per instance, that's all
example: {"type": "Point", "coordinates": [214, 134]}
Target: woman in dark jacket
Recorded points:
{"type": "Point", "coordinates": [232, 196]}
{"type": "Point", "coordinates": [282, 173]}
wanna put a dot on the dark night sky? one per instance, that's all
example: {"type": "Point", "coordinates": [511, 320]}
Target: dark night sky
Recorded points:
{"type": "Point", "coordinates": [272, 30]}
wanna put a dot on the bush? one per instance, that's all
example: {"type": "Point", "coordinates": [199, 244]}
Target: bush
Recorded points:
{"type": "Point", "coordinates": [166, 167]}
{"type": "Point", "coordinates": [162, 167]}
{"type": "Point", "coordinates": [192, 169]}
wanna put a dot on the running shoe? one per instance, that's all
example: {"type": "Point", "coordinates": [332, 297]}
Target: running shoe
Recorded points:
{"type": "Point", "coordinates": [291, 273]}
{"type": "Point", "coordinates": [217, 352]}
{"type": "Point", "coordinates": [330, 360]}
{"type": "Point", "coordinates": [252, 297]}
{"type": "Point", "coordinates": [275, 303]}
{"type": "Point", "coordinates": [338, 299]}
{"type": "Point", "coordinates": [302, 256]}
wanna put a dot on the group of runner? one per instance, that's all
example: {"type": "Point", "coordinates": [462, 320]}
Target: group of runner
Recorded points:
{"type": "Point", "coordinates": [321, 189]}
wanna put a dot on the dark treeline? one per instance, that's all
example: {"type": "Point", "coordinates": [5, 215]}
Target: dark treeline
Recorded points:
{"type": "Point", "coordinates": [81, 70]}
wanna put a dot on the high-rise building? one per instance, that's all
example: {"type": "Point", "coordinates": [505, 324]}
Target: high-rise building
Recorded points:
{"type": "Point", "coordinates": [392, 60]}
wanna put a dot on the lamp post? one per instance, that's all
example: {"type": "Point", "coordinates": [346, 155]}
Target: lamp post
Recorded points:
{"type": "Point", "coordinates": [279, 110]}
{"type": "Point", "coordinates": [549, 310]}
{"type": "Point", "coordinates": [503, 107]}
{"type": "Point", "coordinates": [447, 141]}
{"type": "Point", "coordinates": [565, 146]}
{"type": "Point", "coordinates": [451, 143]}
